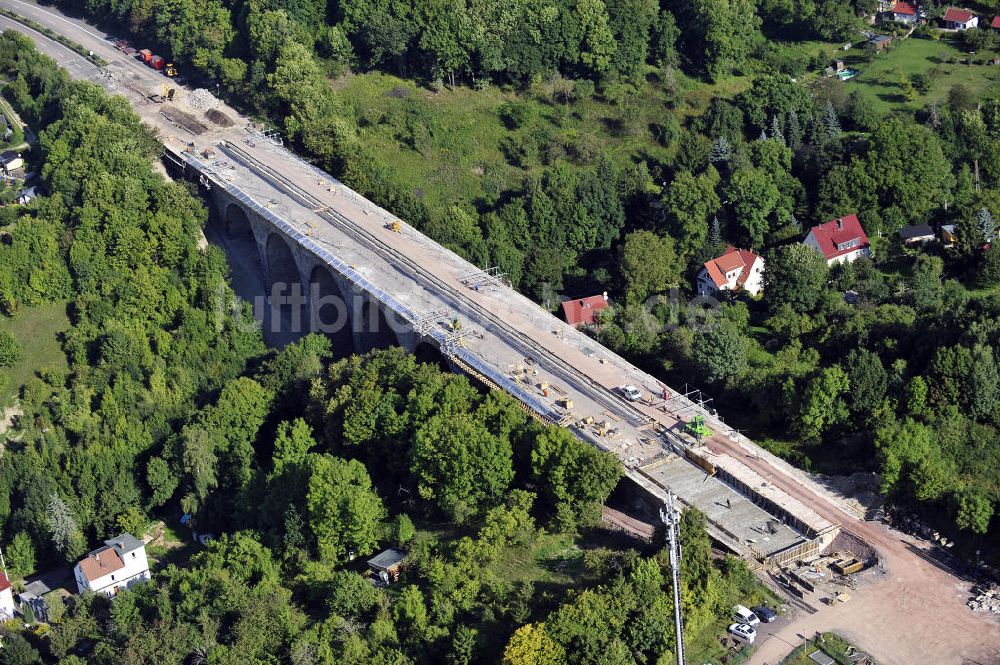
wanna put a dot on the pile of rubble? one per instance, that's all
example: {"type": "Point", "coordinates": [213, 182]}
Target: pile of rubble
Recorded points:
{"type": "Point", "coordinates": [201, 100]}
{"type": "Point", "coordinates": [988, 600]}
{"type": "Point", "coordinates": [113, 76]}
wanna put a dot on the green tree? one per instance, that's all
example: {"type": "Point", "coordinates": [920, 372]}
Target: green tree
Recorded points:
{"type": "Point", "coordinates": [344, 511]}
{"type": "Point", "coordinates": [597, 43]}
{"type": "Point", "coordinates": [921, 82]}
{"type": "Point", "coordinates": [648, 265]}
{"type": "Point", "coordinates": [55, 605]}
{"type": "Point", "coordinates": [410, 612]}
{"type": "Point", "coordinates": [463, 645]}
{"type": "Point", "coordinates": [10, 349]}
{"type": "Point", "coordinates": [292, 443]}
{"type": "Point", "coordinates": [21, 554]}
{"type": "Point", "coordinates": [446, 37]}
{"type": "Point", "coordinates": [718, 35]}
{"type": "Point", "coordinates": [974, 510]}
{"type": "Point", "coordinates": [631, 23]}
{"type": "Point", "coordinates": [133, 521]}
{"type": "Point", "coordinates": [794, 275]}
{"type": "Point", "coordinates": [834, 21]}
{"type": "Point", "coordinates": [161, 479]}
{"type": "Point", "coordinates": [771, 94]}
{"type": "Point", "coordinates": [754, 198]}
{"type": "Point", "coordinates": [573, 477]}
{"type": "Point", "coordinates": [196, 32]}
{"type": "Point", "coordinates": [402, 530]}
{"type": "Point", "coordinates": [903, 448]}
{"type": "Point", "coordinates": [690, 201]}
{"type": "Point", "coordinates": [459, 465]}
{"type": "Point", "coordinates": [909, 167]}
{"type": "Point", "coordinates": [721, 351]}
{"type": "Point", "coordinates": [200, 462]}
{"type": "Point", "coordinates": [926, 283]}
{"type": "Point", "coordinates": [988, 270]}
{"type": "Point", "coordinates": [822, 405]}
{"type": "Point", "coordinates": [868, 380]}
{"type": "Point", "coordinates": [862, 112]}
{"type": "Point", "coordinates": [984, 383]}
{"type": "Point", "coordinates": [17, 651]}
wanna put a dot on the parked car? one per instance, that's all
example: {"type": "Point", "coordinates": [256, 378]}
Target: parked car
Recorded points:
{"type": "Point", "coordinates": [632, 393]}
{"type": "Point", "coordinates": [743, 615]}
{"type": "Point", "coordinates": [743, 632]}
{"type": "Point", "coordinates": [765, 614]}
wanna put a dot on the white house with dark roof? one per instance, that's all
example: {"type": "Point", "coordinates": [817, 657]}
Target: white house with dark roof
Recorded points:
{"type": "Point", "coordinates": [735, 269]}
{"type": "Point", "coordinates": [118, 565]}
{"type": "Point", "coordinates": [916, 235]}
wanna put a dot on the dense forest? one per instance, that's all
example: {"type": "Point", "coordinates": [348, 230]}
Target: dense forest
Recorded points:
{"type": "Point", "coordinates": [903, 380]}
{"type": "Point", "coordinates": [165, 409]}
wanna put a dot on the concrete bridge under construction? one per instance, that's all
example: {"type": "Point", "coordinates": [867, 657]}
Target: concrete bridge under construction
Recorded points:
{"type": "Point", "coordinates": [340, 264]}
{"type": "Point", "coordinates": [293, 224]}
{"type": "Point", "coordinates": [335, 262]}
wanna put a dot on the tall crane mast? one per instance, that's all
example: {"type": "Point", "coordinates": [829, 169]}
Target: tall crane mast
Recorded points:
{"type": "Point", "coordinates": [671, 518]}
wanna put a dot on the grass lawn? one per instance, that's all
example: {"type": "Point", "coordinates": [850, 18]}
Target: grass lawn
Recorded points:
{"type": "Point", "coordinates": [174, 545]}
{"type": "Point", "coordinates": [447, 147]}
{"type": "Point", "coordinates": [881, 79]}
{"type": "Point", "coordinates": [38, 330]}
{"type": "Point", "coordinates": [698, 94]}
{"type": "Point", "coordinates": [552, 560]}
{"type": "Point", "coordinates": [17, 137]}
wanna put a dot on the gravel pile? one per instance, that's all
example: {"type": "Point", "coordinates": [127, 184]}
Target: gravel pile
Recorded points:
{"type": "Point", "coordinates": [987, 601]}
{"type": "Point", "coordinates": [113, 76]}
{"type": "Point", "coordinates": [202, 100]}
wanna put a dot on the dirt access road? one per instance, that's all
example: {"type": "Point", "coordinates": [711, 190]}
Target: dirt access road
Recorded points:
{"type": "Point", "coordinates": [915, 615]}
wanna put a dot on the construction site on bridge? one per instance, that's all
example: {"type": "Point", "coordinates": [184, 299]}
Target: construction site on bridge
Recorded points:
{"type": "Point", "coordinates": [559, 374]}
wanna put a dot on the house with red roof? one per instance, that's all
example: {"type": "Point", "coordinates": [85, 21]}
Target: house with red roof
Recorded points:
{"type": "Point", "coordinates": [959, 19]}
{"type": "Point", "coordinates": [736, 269]}
{"type": "Point", "coordinates": [839, 240]}
{"type": "Point", "coordinates": [995, 23]}
{"type": "Point", "coordinates": [6, 598]}
{"type": "Point", "coordinates": [904, 12]}
{"type": "Point", "coordinates": [118, 565]}
{"type": "Point", "coordinates": [583, 311]}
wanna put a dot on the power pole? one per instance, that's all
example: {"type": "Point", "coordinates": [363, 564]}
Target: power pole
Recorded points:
{"type": "Point", "coordinates": [671, 518]}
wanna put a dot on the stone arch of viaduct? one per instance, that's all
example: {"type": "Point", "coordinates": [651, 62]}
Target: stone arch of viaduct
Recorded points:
{"type": "Point", "coordinates": [312, 296]}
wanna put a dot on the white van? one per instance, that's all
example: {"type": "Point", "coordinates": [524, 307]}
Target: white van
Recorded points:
{"type": "Point", "coordinates": [743, 615]}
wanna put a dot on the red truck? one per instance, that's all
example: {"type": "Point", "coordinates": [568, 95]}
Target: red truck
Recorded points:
{"type": "Point", "coordinates": [156, 62]}
{"type": "Point", "coordinates": [146, 55]}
